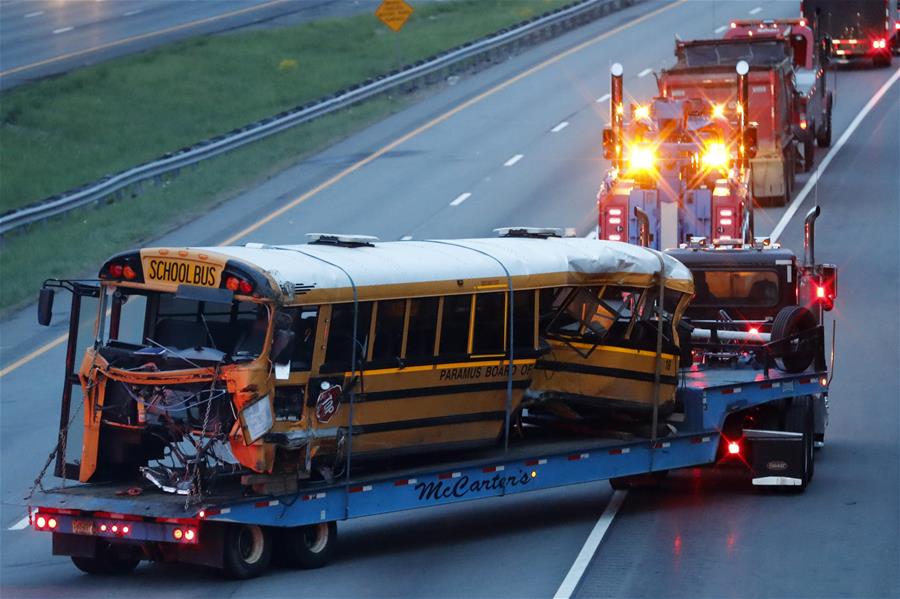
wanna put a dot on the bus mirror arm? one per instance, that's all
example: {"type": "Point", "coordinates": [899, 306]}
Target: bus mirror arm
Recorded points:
{"type": "Point", "coordinates": [45, 306]}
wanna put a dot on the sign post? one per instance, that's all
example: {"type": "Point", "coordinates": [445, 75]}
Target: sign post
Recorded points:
{"type": "Point", "coordinates": [394, 14]}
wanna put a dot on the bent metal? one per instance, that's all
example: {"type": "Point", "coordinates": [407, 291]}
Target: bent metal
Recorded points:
{"type": "Point", "coordinates": [462, 486]}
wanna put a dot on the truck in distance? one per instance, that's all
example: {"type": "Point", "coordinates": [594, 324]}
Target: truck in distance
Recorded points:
{"type": "Point", "coordinates": [855, 29]}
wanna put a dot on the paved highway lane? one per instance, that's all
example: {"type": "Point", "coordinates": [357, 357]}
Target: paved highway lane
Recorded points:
{"type": "Point", "coordinates": [43, 37]}
{"type": "Point", "coordinates": [510, 547]}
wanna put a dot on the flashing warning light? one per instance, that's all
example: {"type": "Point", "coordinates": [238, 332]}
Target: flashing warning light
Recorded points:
{"type": "Point", "coordinates": [823, 381]}
{"type": "Point", "coordinates": [718, 111]}
{"type": "Point", "coordinates": [125, 530]}
{"type": "Point", "coordinates": [533, 474]}
{"type": "Point", "coordinates": [733, 25]}
{"type": "Point", "coordinates": [820, 292]}
{"type": "Point", "coordinates": [753, 331]}
{"type": "Point", "coordinates": [803, 124]}
{"type": "Point", "coordinates": [725, 222]}
{"type": "Point", "coordinates": [641, 158]}
{"type": "Point", "coordinates": [178, 534]}
{"type": "Point", "coordinates": [715, 156]}
{"type": "Point", "coordinates": [878, 44]}
{"type": "Point", "coordinates": [641, 112]}
{"type": "Point", "coordinates": [41, 522]}
{"type": "Point", "coordinates": [115, 528]}
{"type": "Point", "coordinates": [802, 22]}
{"type": "Point", "coordinates": [615, 211]}
{"type": "Point", "coordinates": [897, 25]}
{"type": "Point", "coordinates": [726, 212]}
{"type": "Point", "coordinates": [202, 514]}
{"type": "Point", "coordinates": [103, 528]}
{"type": "Point", "coordinates": [615, 220]}
{"type": "Point", "coordinates": [734, 448]}
{"type": "Point", "coordinates": [129, 273]}
{"type": "Point", "coordinates": [232, 283]}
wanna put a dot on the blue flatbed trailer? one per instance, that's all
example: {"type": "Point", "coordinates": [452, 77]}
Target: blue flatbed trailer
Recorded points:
{"type": "Point", "coordinates": [707, 397]}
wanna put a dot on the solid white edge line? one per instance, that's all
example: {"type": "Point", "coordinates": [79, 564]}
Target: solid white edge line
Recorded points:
{"type": "Point", "coordinates": [570, 583]}
{"type": "Point", "coordinates": [560, 127]}
{"type": "Point", "coordinates": [645, 72]}
{"type": "Point", "coordinates": [34, 14]}
{"type": "Point", "coordinates": [62, 30]}
{"type": "Point", "coordinates": [406, 238]}
{"type": "Point", "coordinates": [514, 160]}
{"type": "Point", "coordinates": [755, 10]}
{"type": "Point", "coordinates": [721, 29]}
{"type": "Point", "coordinates": [795, 205]}
{"type": "Point", "coordinates": [461, 198]}
{"type": "Point", "coordinates": [132, 12]}
{"type": "Point", "coordinates": [603, 98]}
{"type": "Point", "coordinates": [21, 524]}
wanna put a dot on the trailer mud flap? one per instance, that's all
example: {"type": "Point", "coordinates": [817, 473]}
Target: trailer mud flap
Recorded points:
{"type": "Point", "coordinates": [776, 457]}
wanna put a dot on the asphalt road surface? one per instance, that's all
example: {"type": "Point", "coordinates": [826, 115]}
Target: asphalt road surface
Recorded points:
{"type": "Point", "coordinates": [706, 533]}
{"type": "Point", "coordinates": [44, 37]}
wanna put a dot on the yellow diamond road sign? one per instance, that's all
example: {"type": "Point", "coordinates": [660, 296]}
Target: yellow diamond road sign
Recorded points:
{"type": "Point", "coordinates": [394, 13]}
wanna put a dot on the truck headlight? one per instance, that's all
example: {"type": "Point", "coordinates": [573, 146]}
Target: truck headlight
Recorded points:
{"type": "Point", "coordinates": [641, 158]}
{"type": "Point", "coordinates": [715, 156]}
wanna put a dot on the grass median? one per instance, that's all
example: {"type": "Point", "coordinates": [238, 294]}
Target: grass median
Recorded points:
{"type": "Point", "coordinates": [65, 131]}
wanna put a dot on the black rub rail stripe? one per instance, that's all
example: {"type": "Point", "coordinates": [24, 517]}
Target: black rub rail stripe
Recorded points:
{"type": "Point", "coordinates": [427, 422]}
{"type": "Point", "coordinates": [619, 373]}
{"type": "Point", "coordinates": [432, 391]}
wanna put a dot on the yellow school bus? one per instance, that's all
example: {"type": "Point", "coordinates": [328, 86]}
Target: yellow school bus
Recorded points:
{"type": "Point", "coordinates": [282, 360]}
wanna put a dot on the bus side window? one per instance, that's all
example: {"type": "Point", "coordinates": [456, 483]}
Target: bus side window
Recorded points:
{"type": "Point", "coordinates": [488, 333]}
{"type": "Point", "coordinates": [423, 313]}
{"type": "Point", "coordinates": [524, 321]}
{"type": "Point", "coordinates": [455, 325]}
{"type": "Point", "coordinates": [303, 324]}
{"type": "Point", "coordinates": [388, 330]}
{"type": "Point", "coordinates": [339, 350]}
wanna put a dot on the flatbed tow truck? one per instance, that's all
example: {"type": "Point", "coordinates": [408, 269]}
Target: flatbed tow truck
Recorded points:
{"type": "Point", "coordinates": [110, 528]}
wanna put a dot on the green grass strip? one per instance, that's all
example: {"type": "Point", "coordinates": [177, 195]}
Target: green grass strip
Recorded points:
{"type": "Point", "coordinates": [59, 133]}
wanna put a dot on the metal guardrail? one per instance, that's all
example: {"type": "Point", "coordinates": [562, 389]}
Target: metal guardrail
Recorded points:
{"type": "Point", "coordinates": [488, 48]}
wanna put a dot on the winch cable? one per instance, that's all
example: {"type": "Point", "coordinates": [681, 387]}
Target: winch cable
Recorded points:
{"type": "Point", "coordinates": [509, 373]}
{"type": "Point", "coordinates": [352, 356]}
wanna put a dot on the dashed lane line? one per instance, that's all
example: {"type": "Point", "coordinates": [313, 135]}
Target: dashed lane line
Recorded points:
{"type": "Point", "coordinates": [514, 160]}
{"type": "Point", "coordinates": [461, 198]}
{"type": "Point", "coordinates": [602, 98]}
{"type": "Point", "coordinates": [560, 127]}
{"type": "Point", "coordinates": [645, 72]}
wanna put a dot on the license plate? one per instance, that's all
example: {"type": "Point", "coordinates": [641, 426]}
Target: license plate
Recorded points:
{"type": "Point", "coordinates": [188, 272]}
{"type": "Point", "coordinates": [83, 527]}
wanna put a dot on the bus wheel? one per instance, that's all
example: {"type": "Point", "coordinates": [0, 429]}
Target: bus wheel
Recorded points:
{"type": "Point", "coordinates": [248, 551]}
{"type": "Point", "coordinates": [310, 546]}
{"type": "Point", "coordinates": [789, 321]}
{"type": "Point", "coordinates": [107, 560]}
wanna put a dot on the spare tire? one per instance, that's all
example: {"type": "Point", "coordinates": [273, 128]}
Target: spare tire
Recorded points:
{"type": "Point", "coordinates": [789, 321]}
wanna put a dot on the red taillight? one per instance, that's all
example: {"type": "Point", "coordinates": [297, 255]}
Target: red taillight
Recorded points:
{"type": "Point", "coordinates": [103, 528]}
{"type": "Point", "coordinates": [115, 528]}
{"type": "Point", "coordinates": [189, 534]}
{"type": "Point", "coordinates": [232, 283]}
{"type": "Point", "coordinates": [178, 534]}
{"type": "Point", "coordinates": [726, 212]}
{"type": "Point", "coordinates": [734, 448]}
{"type": "Point", "coordinates": [125, 530]}
{"type": "Point", "coordinates": [40, 521]}
{"type": "Point", "coordinates": [802, 22]}
{"type": "Point", "coordinates": [733, 25]}
{"type": "Point", "coordinates": [115, 271]}
{"type": "Point", "coordinates": [820, 292]}
{"type": "Point", "coordinates": [753, 331]}
{"type": "Point", "coordinates": [129, 273]}
{"type": "Point", "coordinates": [879, 44]}
{"type": "Point", "coordinates": [245, 287]}
{"type": "Point", "coordinates": [897, 25]}
{"type": "Point", "coordinates": [803, 124]}
{"type": "Point", "coordinates": [51, 523]}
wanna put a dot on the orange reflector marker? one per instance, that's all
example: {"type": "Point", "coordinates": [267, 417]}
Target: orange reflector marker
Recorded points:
{"type": "Point", "coordinates": [177, 533]}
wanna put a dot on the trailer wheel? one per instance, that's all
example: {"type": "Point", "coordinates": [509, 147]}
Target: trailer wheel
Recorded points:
{"type": "Point", "coordinates": [788, 168]}
{"type": "Point", "coordinates": [248, 551]}
{"type": "Point", "coordinates": [309, 547]}
{"type": "Point", "coordinates": [107, 560]}
{"type": "Point", "coordinates": [823, 137]}
{"type": "Point", "coordinates": [799, 418]}
{"type": "Point", "coordinates": [809, 153]}
{"type": "Point", "coordinates": [791, 320]}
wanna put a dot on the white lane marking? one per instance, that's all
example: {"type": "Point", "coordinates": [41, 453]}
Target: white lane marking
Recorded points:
{"type": "Point", "coordinates": [590, 547]}
{"type": "Point", "coordinates": [755, 10]}
{"type": "Point", "coordinates": [560, 127]}
{"type": "Point", "coordinates": [63, 30]}
{"type": "Point", "coordinates": [514, 160]}
{"type": "Point", "coordinates": [594, 233]}
{"type": "Point", "coordinates": [21, 524]}
{"type": "Point", "coordinates": [603, 98]}
{"type": "Point", "coordinates": [645, 72]}
{"type": "Point", "coordinates": [406, 238]}
{"type": "Point", "coordinates": [721, 29]}
{"type": "Point", "coordinates": [795, 205]}
{"type": "Point", "coordinates": [132, 12]}
{"type": "Point", "coordinates": [31, 15]}
{"type": "Point", "coordinates": [461, 198]}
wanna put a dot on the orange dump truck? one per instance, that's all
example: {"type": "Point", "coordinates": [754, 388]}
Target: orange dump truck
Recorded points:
{"type": "Point", "coordinates": [705, 69]}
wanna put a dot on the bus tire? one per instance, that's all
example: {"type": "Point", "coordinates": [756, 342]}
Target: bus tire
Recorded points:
{"type": "Point", "coordinates": [107, 560]}
{"type": "Point", "coordinates": [799, 418]}
{"type": "Point", "coordinates": [309, 547]}
{"type": "Point", "coordinates": [247, 551]}
{"type": "Point", "coordinates": [791, 320]}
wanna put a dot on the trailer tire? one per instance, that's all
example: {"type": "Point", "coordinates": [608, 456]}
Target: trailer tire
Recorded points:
{"type": "Point", "coordinates": [799, 418]}
{"type": "Point", "coordinates": [107, 561]}
{"type": "Point", "coordinates": [809, 153]}
{"type": "Point", "coordinates": [788, 173]}
{"type": "Point", "coordinates": [791, 320]}
{"type": "Point", "coordinates": [309, 547]}
{"type": "Point", "coordinates": [823, 137]}
{"type": "Point", "coordinates": [247, 551]}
